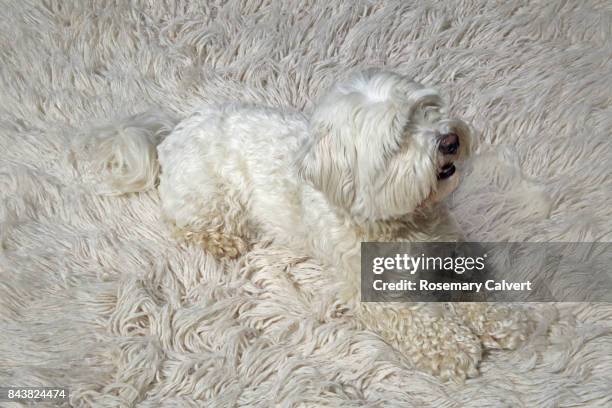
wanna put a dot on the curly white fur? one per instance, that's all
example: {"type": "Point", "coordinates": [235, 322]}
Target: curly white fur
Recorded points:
{"type": "Point", "coordinates": [364, 167]}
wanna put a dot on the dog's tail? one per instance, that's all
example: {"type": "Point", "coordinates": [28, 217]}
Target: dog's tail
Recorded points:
{"type": "Point", "coordinates": [125, 153]}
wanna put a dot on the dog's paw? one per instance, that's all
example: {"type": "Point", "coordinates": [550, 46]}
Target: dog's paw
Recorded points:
{"type": "Point", "coordinates": [444, 348]}
{"type": "Point", "coordinates": [224, 246]}
{"type": "Point", "coordinates": [218, 244]}
{"type": "Point", "coordinates": [498, 326]}
{"type": "Point", "coordinates": [438, 345]}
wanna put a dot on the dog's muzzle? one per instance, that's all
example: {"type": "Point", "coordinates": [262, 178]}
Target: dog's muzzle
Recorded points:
{"type": "Point", "coordinates": [449, 145]}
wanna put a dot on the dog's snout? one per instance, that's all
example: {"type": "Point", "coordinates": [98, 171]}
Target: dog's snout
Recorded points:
{"type": "Point", "coordinates": [449, 144]}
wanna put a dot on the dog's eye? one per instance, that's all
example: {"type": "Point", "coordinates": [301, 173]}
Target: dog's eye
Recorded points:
{"type": "Point", "coordinates": [430, 108]}
{"type": "Point", "coordinates": [431, 113]}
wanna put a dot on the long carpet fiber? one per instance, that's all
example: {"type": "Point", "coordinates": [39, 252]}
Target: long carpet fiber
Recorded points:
{"type": "Point", "coordinates": [96, 296]}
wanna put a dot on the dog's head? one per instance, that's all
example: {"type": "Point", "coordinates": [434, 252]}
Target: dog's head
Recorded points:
{"type": "Point", "coordinates": [382, 145]}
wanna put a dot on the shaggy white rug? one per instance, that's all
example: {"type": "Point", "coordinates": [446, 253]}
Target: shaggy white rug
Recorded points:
{"type": "Point", "coordinates": [94, 295]}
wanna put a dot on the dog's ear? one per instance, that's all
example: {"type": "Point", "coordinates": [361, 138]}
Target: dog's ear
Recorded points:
{"type": "Point", "coordinates": [327, 162]}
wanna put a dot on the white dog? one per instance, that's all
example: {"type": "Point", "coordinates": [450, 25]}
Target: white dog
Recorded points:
{"type": "Point", "coordinates": [372, 164]}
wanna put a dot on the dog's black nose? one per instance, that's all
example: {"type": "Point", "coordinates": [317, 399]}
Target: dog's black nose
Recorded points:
{"type": "Point", "coordinates": [449, 144]}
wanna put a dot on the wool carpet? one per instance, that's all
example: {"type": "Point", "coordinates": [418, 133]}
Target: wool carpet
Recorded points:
{"type": "Point", "coordinates": [97, 297]}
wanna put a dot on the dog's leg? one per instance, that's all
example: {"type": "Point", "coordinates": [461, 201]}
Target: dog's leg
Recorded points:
{"type": "Point", "coordinates": [215, 219]}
